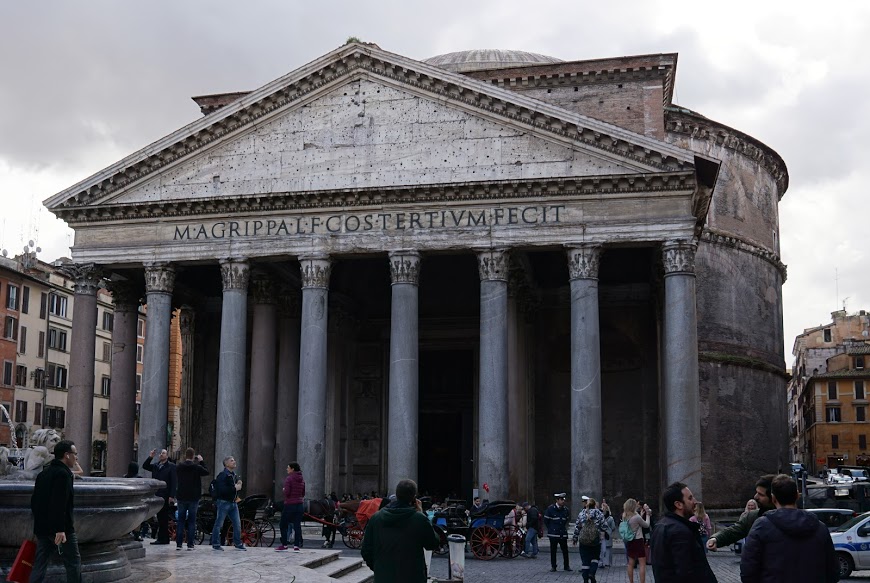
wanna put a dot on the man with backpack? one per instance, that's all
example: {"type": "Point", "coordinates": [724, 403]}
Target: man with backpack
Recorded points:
{"type": "Point", "coordinates": [534, 530]}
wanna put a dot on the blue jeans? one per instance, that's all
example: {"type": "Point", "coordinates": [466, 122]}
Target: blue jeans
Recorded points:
{"type": "Point", "coordinates": [186, 522]}
{"type": "Point", "coordinates": [531, 542]}
{"type": "Point", "coordinates": [225, 508]}
{"type": "Point", "coordinates": [69, 554]}
{"type": "Point", "coordinates": [291, 515]}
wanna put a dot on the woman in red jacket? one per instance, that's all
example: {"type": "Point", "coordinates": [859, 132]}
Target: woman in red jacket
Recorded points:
{"type": "Point", "coordinates": [294, 493]}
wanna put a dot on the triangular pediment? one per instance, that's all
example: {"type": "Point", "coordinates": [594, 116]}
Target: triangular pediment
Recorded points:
{"type": "Point", "coordinates": [362, 118]}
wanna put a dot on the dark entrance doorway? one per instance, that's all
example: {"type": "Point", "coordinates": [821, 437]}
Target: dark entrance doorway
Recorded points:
{"type": "Point", "coordinates": [446, 409]}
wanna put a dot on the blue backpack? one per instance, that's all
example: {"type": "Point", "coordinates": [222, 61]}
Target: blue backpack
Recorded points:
{"type": "Point", "coordinates": [625, 532]}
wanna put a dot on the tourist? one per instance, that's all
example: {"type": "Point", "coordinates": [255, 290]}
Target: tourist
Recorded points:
{"type": "Point", "coordinates": [788, 544]}
{"type": "Point", "coordinates": [587, 532]}
{"type": "Point", "coordinates": [607, 537]}
{"type": "Point", "coordinates": [533, 519]}
{"type": "Point", "coordinates": [476, 505]}
{"type": "Point", "coordinates": [52, 507]}
{"type": "Point", "coordinates": [396, 536]}
{"type": "Point", "coordinates": [739, 530]}
{"type": "Point", "coordinates": [190, 473]}
{"type": "Point", "coordinates": [677, 552]}
{"type": "Point", "coordinates": [631, 531]}
{"type": "Point", "coordinates": [163, 470]}
{"type": "Point", "coordinates": [227, 486]}
{"type": "Point", "coordinates": [705, 527]}
{"type": "Point", "coordinates": [751, 505]}
{"type": "Point", "coordinates": [556, 520]}
{"type": "Point", "coordinates": [291, 514]}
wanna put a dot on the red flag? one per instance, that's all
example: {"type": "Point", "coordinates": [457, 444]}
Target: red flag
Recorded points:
{"type": "Point", "coordinates": [486, 487]}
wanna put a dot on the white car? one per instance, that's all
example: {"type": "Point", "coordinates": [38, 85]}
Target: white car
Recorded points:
{"type": "Point", "coordinates": [837, 478]}
{"type": "Point", "coordinates": [852, 544]}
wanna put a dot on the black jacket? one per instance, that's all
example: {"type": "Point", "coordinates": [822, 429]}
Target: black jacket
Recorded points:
{"type": "Point", "coordinates": [189, 474]}
{"type": "Point", "coordinates": [533, 517]}
{"type": "Point", "coordinates": [677, 552]}
{"type": "Point", "coordinates": [556, 520]}
{"type": "Point", "coordinates": [788, 544]}
{"type": "Point", "coordinates": [52, 500]}
{"type": "Point", "coordinates": [165, 473]}
{"type": "Point", "coordinates": [225, 486]}
{"type": "Point", "coordinates": [393, 544]}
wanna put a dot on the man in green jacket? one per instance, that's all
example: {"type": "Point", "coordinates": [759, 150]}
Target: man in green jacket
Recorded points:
{"type": "Point", "coordinates": [396, 536]}
{"type": "Point", "coordinates": [740, 529]}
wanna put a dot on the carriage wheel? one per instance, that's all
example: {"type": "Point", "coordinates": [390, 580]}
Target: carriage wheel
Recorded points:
{"type": "Point", "coordinates": [353, 537]}
{"type": "Point", "coordinates": [249, 534]}
{"type": "Point", "coordinates": [511, 542]}
{"type": "Point", "coordinates": [443, 547]}
{"type": "Point", "coordinates": [485, 542]}
{"type": "Point", "coordinates": [202, 530]}
{"type": "Point", "coordinates": [265, 533]}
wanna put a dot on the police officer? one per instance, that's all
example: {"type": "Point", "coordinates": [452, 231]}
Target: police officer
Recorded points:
{"type": "Point", "coordinates": [556, 520]}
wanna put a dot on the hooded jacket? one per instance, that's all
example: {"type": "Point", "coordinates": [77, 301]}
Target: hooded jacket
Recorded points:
{"type": "Point", "coordinates": [788, 544]}
{"type": "Point", "coordinates": [393, 544]}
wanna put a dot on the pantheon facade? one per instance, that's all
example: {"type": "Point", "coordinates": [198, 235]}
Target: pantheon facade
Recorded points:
{"type": "Point", "coordinates": [484, 268]}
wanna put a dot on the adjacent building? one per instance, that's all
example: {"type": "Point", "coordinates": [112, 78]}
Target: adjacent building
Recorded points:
{"type": "Point", "coordinates": [827, 395]}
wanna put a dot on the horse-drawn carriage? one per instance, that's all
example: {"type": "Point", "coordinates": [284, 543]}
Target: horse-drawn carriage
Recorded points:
{"type": "Point", "coordinates": [486, 532]}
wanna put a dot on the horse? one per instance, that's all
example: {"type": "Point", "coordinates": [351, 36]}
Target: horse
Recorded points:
{"type": "Point", "coordinates": [326, 512]}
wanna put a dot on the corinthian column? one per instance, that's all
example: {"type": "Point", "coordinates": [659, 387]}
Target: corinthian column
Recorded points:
{"type": "Point", "coordinates": [402, 428]}
{"type": "Point", "coordinates": [287, 399]}
{"type": "Point", "coordinates": [159, 281]}
{"type": "Point", "coordinates": [586, 453]}
{"type": "Point", "coordinates": [261, 409]}
{"type": "Point", "coordinates": [230, 423]}
{"type": "Point", "coordinates": [680, 398]}
{"type": "Point", "coordinates": [186, 322]}
{"type": "Point", "coordinates": [80, 399]}
{"type": "Point", "coordinates": [492, 420]}
{"type": "Point", "coordinates": [312, 373]}
{"type": "Point", "coordinates": [122, 398]}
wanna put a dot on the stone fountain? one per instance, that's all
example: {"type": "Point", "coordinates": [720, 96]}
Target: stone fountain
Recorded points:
{"type": "Point", "coordinates": [107, 510]}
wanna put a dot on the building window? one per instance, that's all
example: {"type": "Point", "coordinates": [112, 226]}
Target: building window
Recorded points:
{"type": "Point", "coordinates": [104, 421]}
{"type": "Point", "coordinates": [43, 305]}
{"type": "Point", "coordinates": [22, 340]}
{"type": "Point", "coordinates": [827, 334]}
{"type": "Point", "coordinates": [860, 413]}
{"type": "Point", "coordinates": [21, 411]}
{"type": "Point", "coordinates": [859, 362]}
{"type": "Point", "coordinates": [57, 339]}
{"type": "Point", "coordinates": [25, 300]}
{"type": "Point", "coordinates": [10, 329]}
{"type": "Point", "coordinates": [37, 414]}
{"type": "Point", "coordinates": [108, 320]}
{"type": "Point", "coordinates": [55, 376]}
{"type": "Point", "coordinates": [138, 382]}
{"type": "Point", "coordinates": [107, 351]}
{"type": "Point", "coordinates": [57, 305]}
{"type": "Point", "coordinates": [832, 390]}
{"type": "Point", "coordinates": [40, 349]}
{"type": "Point", "coordinates": [11, 297]}
{"type": "Point", "coordinates": [21, 376]}
{"type": "Point", "coordinates": [862, 442]}
{"type": "Point", "coordinates": [833, 414]}
{"type": "Point", "coordinates": [859, 390]}
{"type": "Point", "coordinates": [7, 373]}
{"type": "Point", "coordinates": [105, 386]}
{"type": "Point", "coordinates": [54, 417]}
{"type": "Point", "coordinates": [139, 349]}
{"type": "Point", "coordinates": [140, 328]}
{"type": "Point", "coordinates": [835, 442]}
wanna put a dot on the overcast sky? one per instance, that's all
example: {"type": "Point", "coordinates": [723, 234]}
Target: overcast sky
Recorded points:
{"type": "Point", "coordinates": [83, 84]}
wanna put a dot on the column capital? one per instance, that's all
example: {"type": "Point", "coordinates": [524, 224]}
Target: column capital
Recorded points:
{"type": "Point", "coordinates": [492, 264]}
{"type": "Point", "coordinates": [583, 261]}
{"type": "Point", "coordinates": [86, 277]}
{"type": "Point", "coordinates": [678, 257]}
{"type": "Point", "coordinates": [186, 319]}
{"type": "Point", "coordinates": [288, 303]}
{"type": "Point", "coordinates": [405, 267]}
{"type": "Point", "coordinates": [159, 277]}
{"type": "Point", "coordinates": [263, 287]}
{"type": "Point", "coordinates": [315, 270]}
{"type": "Point", "coordinates": [126, 295]}
{"type": "Point", "coordinates": [235, 274]}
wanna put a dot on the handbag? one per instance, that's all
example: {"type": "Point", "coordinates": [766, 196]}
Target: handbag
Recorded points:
{"type": "Point", "coordinates": [648, 554]}
{"type": "Point", "coordinates": [23, 564]}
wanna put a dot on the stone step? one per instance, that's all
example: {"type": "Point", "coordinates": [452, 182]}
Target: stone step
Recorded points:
{"type": "Point", "coordinates": [339, 567]}
{"type": "Point", "coordinates": [361, 575]}
{"type": "Point", "coordinates": [319, 558]}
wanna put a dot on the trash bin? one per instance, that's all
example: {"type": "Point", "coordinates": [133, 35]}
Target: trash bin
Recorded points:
{"type": "Point", "coordinates": [456, 543]}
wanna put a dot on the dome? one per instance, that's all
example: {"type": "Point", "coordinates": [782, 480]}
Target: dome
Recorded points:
{"type": "Point", "coordinates": [482, 59]}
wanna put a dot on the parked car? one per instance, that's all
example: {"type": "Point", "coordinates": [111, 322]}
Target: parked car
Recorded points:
{"type": "Point", "coordinates": [855, 474]}
{"type": "Point", "coordinates": [833, 518]}
{"type": "Point", "coordinates": [852, 544]}
{"type": "Point", "coordinates": [838, 478]}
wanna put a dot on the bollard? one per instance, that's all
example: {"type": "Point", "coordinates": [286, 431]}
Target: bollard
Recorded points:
{"type": "Point", "coordinates": [456, 542]}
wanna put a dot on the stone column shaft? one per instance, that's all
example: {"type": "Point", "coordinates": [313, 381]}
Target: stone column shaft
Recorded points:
{"type": "Point", "coordinates": [261, 407]}
{"type": "Point", "coordinates": [122, 398]}
{"type": "Point", "coordinates": [311, 449]}
{"type": "Point", "coordinates": [492, 419]}
{"type": "Point", "coordinates": [159, 281]}
{"type": "Point", "coordinates": [80, 398]}
{"type": "Point", "coordinates": [287, 398]}
{"type": "Point", "coordinates": [680, 398]}
{"type": "Point", "coordinates": [404, 414]}
{"type": "Point", "coordinates": [230, 423]}
{"type": "Point", "coordinates": [186, 322]}
{"type": "Point", "coordinates": [586, 433]}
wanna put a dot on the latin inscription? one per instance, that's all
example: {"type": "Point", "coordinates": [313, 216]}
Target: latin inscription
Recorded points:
{"type": "Point", "coordinates": [375, 221]}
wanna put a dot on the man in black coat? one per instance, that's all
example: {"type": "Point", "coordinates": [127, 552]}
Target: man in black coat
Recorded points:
{"type": "Point", "coordinates": [678, 554]}
{"type": "Point", "coordinates": [788, 544]}
{"type": "Point", "coordinates": [162, 470]}
{"type": "Point", "coordinates": [52, 507]}
{"type": "Point", "coordinates": [189, 473]}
